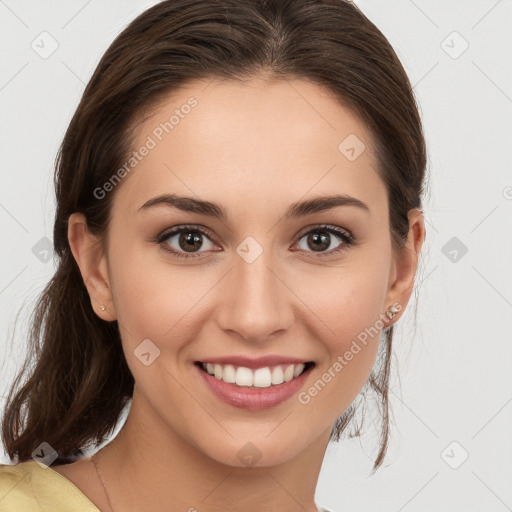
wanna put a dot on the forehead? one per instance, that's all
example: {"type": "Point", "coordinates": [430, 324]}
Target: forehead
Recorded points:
{"type": "Point", "coordinates": [253, 143]}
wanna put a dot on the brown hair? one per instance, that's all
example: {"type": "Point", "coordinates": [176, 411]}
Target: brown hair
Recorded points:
{"type": "Point", "coordinates": [80, 381]}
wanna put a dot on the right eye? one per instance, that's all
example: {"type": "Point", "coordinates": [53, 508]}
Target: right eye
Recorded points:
{"type": "Point", "coordinates": [188, 237]}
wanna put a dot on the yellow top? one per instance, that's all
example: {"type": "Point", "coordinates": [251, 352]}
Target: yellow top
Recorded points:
{"type": "Point", "coordinates": [30, 487]}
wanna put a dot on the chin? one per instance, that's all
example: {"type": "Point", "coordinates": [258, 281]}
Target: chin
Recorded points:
{"type": "Point", "coordinates": [258, 449]}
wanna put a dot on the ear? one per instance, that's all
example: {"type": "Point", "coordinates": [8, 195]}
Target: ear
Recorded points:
{"type": "Point", "coordinates": [92, 261]}
{"type": "Point", "coordinates": [405, 264]}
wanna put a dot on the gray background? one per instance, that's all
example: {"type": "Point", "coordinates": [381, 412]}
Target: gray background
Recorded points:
{"type": "Point", "coordinates": [453, 397]}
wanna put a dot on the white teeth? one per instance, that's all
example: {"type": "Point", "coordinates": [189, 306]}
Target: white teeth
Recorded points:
{"type": "Point", "coordinates": [288, 373]}
{"type": "Point", "coordinates": [243, 376]}
{"type": "Point", "coordinates": [229, 374]}
{"type": "Point", "coordinates": [277, 375]}
{"type": "Point", "coordinates": [298, 369]}
{"type": "Point", "coordinates": [260, 378]}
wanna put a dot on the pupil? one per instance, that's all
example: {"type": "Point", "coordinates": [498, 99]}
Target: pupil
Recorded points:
{"type": "Point", "coordinates": [190, 241]}
{"type": "Point", "coordinates": [319, 241]}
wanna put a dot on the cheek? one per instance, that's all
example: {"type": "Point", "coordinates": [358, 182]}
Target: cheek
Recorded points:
{"type": "Point", "coordinates": [138, 296]}
{"type": "Point", "coordinates": [348, 306]}
{"type": "Point", "coordinates": [346, 300]}
{"type": "Point", "coordinates": [158, 301]}
{"type": "Point", "coordinates": [157, 305]}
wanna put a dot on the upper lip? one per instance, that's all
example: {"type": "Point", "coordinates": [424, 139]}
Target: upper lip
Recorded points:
{"type": "Point", "coordinates": [260, 362]}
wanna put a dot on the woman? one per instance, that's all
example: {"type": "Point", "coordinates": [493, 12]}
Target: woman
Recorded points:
{"type": "Point", "coordinates": [238, 225]}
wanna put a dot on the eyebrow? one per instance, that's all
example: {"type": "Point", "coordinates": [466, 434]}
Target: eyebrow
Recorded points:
{"type": "Point", "coordinates": [214, 210]}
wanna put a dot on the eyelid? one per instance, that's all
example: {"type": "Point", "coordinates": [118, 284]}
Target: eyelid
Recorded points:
{"type": "Point", "coordinates": [328, 227]}
{"type": "Point", "coordinates": [177, 229]}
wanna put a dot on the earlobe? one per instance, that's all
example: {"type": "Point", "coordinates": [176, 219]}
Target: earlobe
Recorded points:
{"type": "Point", "coordinates": [90, 258]}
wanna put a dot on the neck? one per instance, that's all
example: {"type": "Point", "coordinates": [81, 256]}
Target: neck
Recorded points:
{"type": "Point", "coordinates": [149, 466]}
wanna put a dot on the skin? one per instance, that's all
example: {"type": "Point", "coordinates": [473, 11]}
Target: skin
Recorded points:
{"type": "Point", "coordinates": [254, 148]}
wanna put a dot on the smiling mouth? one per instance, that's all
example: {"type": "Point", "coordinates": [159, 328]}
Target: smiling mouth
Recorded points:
{"type": "Point", "coordinates": [264, 377]}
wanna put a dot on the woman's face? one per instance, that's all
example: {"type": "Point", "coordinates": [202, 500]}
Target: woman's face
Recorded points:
{"type": "Point", "coordinates": [265, 280]}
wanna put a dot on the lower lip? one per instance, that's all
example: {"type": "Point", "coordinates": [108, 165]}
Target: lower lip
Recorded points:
{"type": "Point", "coordinates": [253, 399]}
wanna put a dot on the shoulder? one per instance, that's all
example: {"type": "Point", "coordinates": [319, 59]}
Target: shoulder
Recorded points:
{"type": "Point", "coordinates": [15, 489]}
{"type": "Point", "coordinates": [31, 487]}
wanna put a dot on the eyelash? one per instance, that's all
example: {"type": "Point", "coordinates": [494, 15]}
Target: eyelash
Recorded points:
{"type": "Point", "coordinates": [347, 238]}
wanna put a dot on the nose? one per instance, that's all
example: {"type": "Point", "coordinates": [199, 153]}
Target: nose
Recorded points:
{"type": "Point", "coordinates": [257, 304]}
